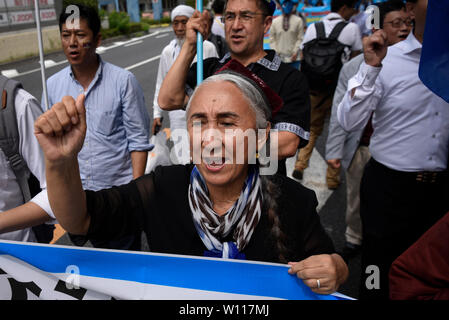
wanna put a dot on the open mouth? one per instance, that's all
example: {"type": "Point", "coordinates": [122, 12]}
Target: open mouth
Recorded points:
{"type": "Point", "coordinates": [402, 36]}
{"type": "Point", "coordinates": [74, 54]}
{"type": "Point", "coordinates": [214, 164]}
{"type": "Point", "coordinates": [237, 38]}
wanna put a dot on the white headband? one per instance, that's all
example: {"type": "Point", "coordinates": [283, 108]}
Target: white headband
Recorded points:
{"type": "Point", "coordinates": [182, 10]}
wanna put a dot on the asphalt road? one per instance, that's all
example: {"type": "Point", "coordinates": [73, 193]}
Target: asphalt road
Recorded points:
{"type": "Point", "coordinates": [141, 56]}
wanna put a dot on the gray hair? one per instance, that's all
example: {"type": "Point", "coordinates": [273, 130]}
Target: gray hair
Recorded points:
{"type": "Point", "coordinates": [250, 90]}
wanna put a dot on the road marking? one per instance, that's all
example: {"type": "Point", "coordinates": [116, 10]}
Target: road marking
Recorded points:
{"type": "Point", "coordinates": [142, 63]}
{"type": "Point", "coordinates": [101, 49]}
{"type": "Point", "coordinates": [133, 43]}
{"type": "Point", "coordinates": [314, 177]}
{"type": "Point", "coordinates": [120, 43]}
{"type": "Point", "coordinates": [12, 73]}
{"type": "Point", "coordinates": [49, 63]}
{"type": "Point", "coordinates": [162, 35]}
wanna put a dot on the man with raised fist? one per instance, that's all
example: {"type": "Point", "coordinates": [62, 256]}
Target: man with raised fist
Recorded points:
{"type": "Point", "coordinates": [402, 189]}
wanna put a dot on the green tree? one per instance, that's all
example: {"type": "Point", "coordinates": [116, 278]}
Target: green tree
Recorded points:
{"type": "Point", "coordinates": [91, 3]}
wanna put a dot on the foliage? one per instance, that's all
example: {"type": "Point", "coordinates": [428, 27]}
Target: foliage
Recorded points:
{"type": "Point", "coordinates": [103, 14]}
{"type": "Point", "coordinates": [91, 3]}
{"type": "Point", "coordinates": [192, 3]}
{"type": "Point", "coordinates": [119, 24]}
{"type": "Point", "coordinates": [152, 21]}
{"type": "Point", "coordinates": [109, 33]}
{"type": "Point", "coordinates": [118, 20]}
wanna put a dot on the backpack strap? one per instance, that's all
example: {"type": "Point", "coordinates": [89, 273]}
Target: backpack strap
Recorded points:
{"type": "Point", "coordinates": [320, 32]}
{"type": "Point", "coordinates": [9, 134]}
{"type": "Point", "coordinates": [337, 30]}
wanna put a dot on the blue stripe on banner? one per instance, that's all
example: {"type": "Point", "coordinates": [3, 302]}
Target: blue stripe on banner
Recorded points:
{"type": "Point", "coordinates": [229, 276]}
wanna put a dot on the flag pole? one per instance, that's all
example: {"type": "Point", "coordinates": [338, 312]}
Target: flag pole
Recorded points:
{"type": "Point", "coordinates": [199, 49]}
{"type": "Point", "coordinates": [41, 52]}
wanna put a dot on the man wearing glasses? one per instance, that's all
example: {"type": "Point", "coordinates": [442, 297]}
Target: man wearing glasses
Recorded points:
{"type": "Point", "coordinates": [350, 150]}
{"type": "Point", "coordinates": [402, 192]}
{"type": "Point", "coordinates": [246, 22]}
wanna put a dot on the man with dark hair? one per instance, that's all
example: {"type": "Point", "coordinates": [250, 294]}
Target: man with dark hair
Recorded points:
{"type": "Point", "coordinates": [350, 149]}
{"type": "Point", "coordinates": [321, 97]}
{"type": "Point", "coordinates": [347, 5]}
{"type": "Point", "coordinates": [86, 12]}
{"type": "Point", "coordinates": [218, 25]}
{"type": "Point", "coordinates": [389, 22]}
{"type": "Point", "coordinates": [286, 33]}
{"type": "Point", "coordinates": [402, 191]}
{"type": "Point", "coordinates": [218, 40]}
{"type": "Point", "coordinates": [116, 145]}
{"type": "Point", "coordinates": [246, 23]}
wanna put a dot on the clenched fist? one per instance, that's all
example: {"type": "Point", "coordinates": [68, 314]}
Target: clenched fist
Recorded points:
{"type": "Point", "coordinates": [198, 22]}
{"type": "Point", "coordinates": [61, 130]}
{"type": "Point", "coordinates": [375, 48]}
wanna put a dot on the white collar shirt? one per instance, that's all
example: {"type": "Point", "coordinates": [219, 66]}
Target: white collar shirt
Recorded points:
{"type": "Point", "coordinates": [411, 127]}
{"type": "Point", "coordinates": [28, 110]}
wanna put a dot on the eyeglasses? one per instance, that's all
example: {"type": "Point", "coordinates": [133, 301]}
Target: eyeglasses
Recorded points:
{"type": "Point", "coordinates": [397, 23]}
{"type": "Point", "coordinates": [244, 16]}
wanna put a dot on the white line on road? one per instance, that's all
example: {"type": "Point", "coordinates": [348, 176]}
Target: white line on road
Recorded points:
{"type": "Point", "coordinates": [142, 62]}
{"type": "Point", "coordinates": [34, 70]}
{"type": "Point", "coordinates": [12, 73]}
{"type": "Point", "coordinates": [49, 63]}
{"type": "Point", "coordinates": [133, 43]}
{"type": "Point", "coordinates": [162, 35]}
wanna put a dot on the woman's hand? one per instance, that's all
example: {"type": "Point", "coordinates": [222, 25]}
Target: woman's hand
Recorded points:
{"type": "Point", "coordinates": [61, 130]}
{"type": "Point", "coordinates": [322, 273]}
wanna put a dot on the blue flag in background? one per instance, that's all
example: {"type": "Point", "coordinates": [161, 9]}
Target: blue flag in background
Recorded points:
{"type": "Point", "coordinates": [434, 65]}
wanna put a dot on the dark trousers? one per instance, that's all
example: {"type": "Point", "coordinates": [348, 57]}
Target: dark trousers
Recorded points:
{"type": "Point", "coordinates": [396, 210]}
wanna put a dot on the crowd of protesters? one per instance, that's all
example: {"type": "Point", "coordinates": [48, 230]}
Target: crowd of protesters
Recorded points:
{"type": "Point", "coordinates": [387, 130]}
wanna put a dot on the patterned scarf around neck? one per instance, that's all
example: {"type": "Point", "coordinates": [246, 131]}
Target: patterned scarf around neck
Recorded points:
{"type": "Point", "coordinates": [242, 218]}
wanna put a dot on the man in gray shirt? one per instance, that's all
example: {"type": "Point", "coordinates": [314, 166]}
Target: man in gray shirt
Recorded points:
{"type": "Point", "coordinates": [350, 149]}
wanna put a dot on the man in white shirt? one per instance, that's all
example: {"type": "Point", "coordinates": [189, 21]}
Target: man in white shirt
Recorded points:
{"type": "Point", "coordinates": [179, 16]}
{"type": "Point", "coordinates": [16, 215]}
{"type": "Point", "coordinates": [218, 27]}
{"type": "Point", "coordinates": [402, 191]}
{"type": "Point", "coordinates": [321, 101]}
{"type": "Point", "coordinates": [286, 34]}
{"type": "Point", "coordinates": [350, 149]}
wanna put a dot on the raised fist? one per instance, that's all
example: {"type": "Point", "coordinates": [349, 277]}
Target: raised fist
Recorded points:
{"type": "Point", "coordinates": [375, 48]}
{"type": "Point", "coordinates": [61, 130]}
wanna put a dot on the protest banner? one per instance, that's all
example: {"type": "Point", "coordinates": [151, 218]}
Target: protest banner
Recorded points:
{"type": "Point", "coordinates": [38, 271]}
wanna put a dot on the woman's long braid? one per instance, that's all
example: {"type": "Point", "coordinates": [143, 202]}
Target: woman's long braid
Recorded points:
{"type": "Point", "coordinates": [271, 193]}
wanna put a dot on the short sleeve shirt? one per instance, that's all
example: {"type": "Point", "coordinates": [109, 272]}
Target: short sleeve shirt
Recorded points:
{"type": "Point", "coordinates": [349, 36]}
